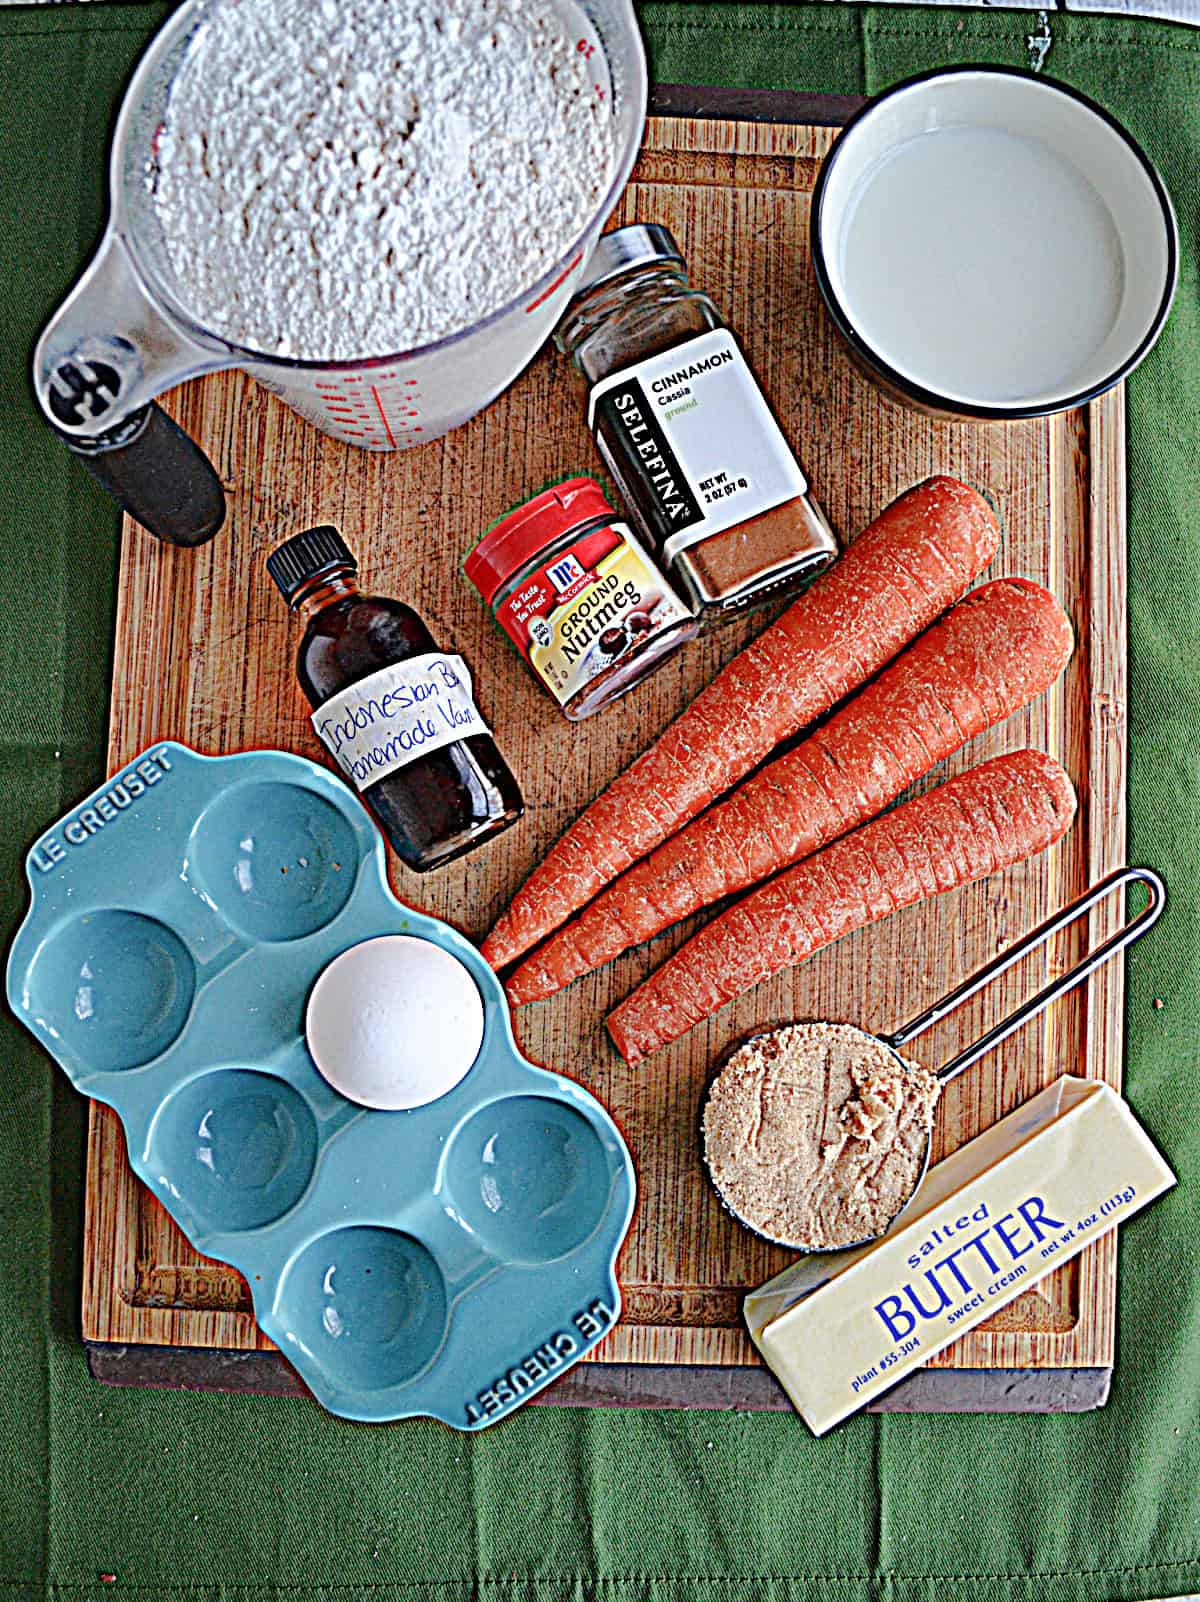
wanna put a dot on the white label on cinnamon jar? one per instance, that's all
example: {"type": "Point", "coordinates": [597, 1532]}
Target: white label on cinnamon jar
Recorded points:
{"type": "Point", "coordinates": [690, 436]}
{"type": "Point", "coordinates": [395, 716]}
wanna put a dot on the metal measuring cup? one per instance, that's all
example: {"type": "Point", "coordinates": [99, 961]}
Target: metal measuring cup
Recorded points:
{"type": "Point", "coordinates": [1125, 936]}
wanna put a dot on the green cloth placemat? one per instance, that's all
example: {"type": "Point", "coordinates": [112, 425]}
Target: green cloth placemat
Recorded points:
{"type": "Point", "coordinates": [184, 1497]}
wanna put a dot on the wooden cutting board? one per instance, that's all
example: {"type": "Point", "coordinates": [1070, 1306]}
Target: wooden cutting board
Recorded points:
{"type": "Point", "coordinates": [204, 653]}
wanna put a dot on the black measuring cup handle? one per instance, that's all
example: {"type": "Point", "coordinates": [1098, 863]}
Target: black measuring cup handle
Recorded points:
{"type": "Point", "coordinates": [1156, 900]}
{"type": "Point", "coordinates": [158, 473]}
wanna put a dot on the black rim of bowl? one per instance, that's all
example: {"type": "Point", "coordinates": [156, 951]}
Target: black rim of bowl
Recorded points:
{"type": "Point", "coordinates": [929, 397]}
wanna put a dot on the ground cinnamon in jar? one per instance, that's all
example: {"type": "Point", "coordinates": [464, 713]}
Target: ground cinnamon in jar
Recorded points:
{"type": "Point", "coordinates": [686, 432]}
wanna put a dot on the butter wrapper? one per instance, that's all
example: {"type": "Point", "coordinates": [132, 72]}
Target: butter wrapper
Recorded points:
{"type": "Point", "coordinates": [989, 1222]}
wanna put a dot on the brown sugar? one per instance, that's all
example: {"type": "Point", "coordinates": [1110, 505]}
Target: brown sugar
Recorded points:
{"type": "Point", "coordinates": [815, 1134]}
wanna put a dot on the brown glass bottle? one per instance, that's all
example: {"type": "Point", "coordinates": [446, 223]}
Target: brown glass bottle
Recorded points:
{"type": "Point", "coordinates": [436, 806]}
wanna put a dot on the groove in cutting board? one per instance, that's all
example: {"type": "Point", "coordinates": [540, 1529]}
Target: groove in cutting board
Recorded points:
{"type": "Point", "coordinates": [204, 654]}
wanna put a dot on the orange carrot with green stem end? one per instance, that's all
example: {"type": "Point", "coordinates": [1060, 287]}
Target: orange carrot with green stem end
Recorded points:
{"type": "Point", "coordinates": [995, 651]}
{"type": "Point", "coordinates": [986, 819]}
{"type": "Point", "coordinates": [916, 559]}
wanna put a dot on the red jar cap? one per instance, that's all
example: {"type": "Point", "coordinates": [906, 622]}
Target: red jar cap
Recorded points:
{"type": "Point", "coordinates": [524, 533]}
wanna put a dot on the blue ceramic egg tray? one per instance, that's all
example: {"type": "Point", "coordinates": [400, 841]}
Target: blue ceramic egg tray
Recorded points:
{"type": "Point", "coordinates": [451, 1260]}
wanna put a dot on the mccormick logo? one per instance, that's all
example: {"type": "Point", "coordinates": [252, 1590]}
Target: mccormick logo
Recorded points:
{"type": "Point", "coordinates": [569, 578]}
{"type": "Point", "coordinates": [566, 574]}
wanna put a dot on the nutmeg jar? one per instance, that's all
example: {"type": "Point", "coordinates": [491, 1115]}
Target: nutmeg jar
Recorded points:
{"type": "Point", "coordinates": [579, 596]}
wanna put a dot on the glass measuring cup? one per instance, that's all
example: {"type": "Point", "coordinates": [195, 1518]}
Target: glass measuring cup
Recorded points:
{"type": "Point", "coordinates": [123, 335]}
{"type": "Point", "coordinates": [1037, 1004]}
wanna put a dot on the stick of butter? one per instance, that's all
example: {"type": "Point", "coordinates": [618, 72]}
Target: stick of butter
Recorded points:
{"type": "Point", "coordinates": [986, 1224]}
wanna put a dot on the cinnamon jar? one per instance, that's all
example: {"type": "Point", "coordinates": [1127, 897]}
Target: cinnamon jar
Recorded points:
{"type": "Point", "coordinates": [687, 433]}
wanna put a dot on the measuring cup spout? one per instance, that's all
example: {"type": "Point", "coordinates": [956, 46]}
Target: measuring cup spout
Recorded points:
{"type": "Point", "coordinates": [106, 353]}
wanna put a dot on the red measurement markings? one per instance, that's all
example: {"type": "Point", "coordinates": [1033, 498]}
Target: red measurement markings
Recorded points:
{"type": "Point", "coordinates": [383, 417]}
{"type": "Point", "coordinates": [550, 288]}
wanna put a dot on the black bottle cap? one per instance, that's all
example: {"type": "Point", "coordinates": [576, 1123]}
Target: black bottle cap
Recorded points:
{"type": "Point", "coordinates": [306, 556]}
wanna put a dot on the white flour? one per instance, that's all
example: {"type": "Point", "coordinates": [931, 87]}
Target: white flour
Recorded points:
{"type": "Point", "coordinates": [345, 178]}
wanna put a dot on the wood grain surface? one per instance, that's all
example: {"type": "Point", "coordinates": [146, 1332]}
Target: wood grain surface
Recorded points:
{"type": "Point", "coordinates": [204, 654]}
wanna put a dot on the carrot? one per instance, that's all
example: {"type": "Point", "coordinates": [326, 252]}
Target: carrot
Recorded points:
{"type": "Point", "coordinates": [986, 819]}
{"type": "Point", "coordinates": [992, 653]}
{"type": "Point", "coordinates": [918, 556]}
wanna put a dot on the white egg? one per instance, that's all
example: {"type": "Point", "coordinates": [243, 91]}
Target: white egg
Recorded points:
{"type": "Point", "coordinates": [394, 1022]}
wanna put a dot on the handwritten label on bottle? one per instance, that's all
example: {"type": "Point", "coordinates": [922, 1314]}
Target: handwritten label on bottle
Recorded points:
{"type": "Point", "coordinates": [398, 714]}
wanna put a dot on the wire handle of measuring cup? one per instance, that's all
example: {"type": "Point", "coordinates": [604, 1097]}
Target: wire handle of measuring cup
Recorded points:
{"type": "Point", "coordinates": [1136, 927]}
